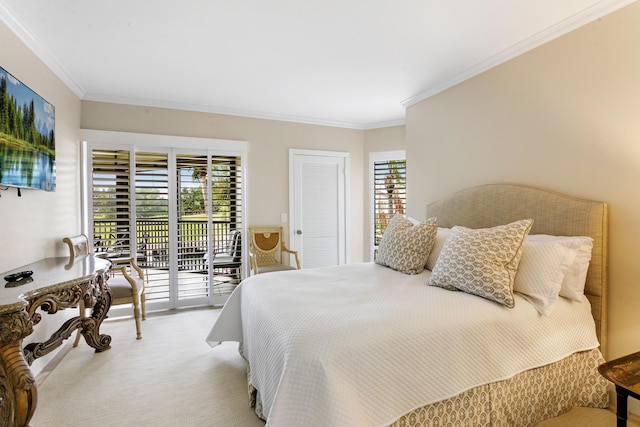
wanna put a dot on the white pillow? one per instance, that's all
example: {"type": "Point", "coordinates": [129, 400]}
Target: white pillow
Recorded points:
{"type": "Point", "coordinates": [575, 279]}
{"type": "Point", "coordinates": [541, 271]}
{"type": "Point", "coordinates": [441, 237]}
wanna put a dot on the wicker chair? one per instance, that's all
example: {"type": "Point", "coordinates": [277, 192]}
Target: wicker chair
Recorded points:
{"type": "Point", "coordinates": [268, 252]}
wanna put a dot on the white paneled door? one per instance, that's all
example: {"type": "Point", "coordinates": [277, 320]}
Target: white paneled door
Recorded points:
{"type": "Point", "coordinates": [318, 206]}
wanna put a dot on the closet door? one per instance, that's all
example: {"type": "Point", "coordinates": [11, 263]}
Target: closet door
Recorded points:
{"type": "Point", "coordinates": [319, 205]}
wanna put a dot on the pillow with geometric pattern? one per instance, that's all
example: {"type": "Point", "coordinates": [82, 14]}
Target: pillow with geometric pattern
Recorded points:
{"type": "Point", "coordinates": [404, 246]}
{"type": "Point", "coordinates": [483, 261]}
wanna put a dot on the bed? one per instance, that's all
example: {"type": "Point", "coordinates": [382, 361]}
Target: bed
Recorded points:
{"type": "Point", "coordinates": [367, 345]}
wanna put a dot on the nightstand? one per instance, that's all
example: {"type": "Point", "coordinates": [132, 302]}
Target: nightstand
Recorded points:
{"type": "Point", "coordinates": [624, 373]}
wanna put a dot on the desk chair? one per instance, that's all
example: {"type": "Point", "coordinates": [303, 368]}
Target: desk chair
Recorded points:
{"type": "Point", "coordinates": [126, 282]}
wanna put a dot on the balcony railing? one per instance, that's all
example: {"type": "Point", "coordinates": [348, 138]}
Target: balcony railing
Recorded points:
{"type": "Point", "coordinates": [152, 246]}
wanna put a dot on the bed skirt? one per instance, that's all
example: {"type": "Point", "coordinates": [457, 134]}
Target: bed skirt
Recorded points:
{"type": "Point", "coordinates": [524, 400]}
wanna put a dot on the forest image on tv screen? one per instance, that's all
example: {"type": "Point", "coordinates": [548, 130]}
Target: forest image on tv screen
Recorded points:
{"type": "Point", "coordinates": [27, 136]}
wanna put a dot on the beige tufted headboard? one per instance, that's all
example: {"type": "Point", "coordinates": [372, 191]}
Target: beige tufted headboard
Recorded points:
{"type": "Point", "coordinates": [552, 213]}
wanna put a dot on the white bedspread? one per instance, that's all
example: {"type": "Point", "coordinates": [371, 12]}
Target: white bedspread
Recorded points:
{"type": "Point", "coordinates": [361, 344]}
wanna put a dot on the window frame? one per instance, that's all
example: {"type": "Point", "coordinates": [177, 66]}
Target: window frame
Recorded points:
{"type": "Point", "coordinates": [379, 156]}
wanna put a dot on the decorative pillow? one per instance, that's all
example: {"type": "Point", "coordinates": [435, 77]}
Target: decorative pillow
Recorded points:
{"type": "Point", "coordinates": [441, 236]}
{"type": "Point", "coordinates": [404, 246]}
{"type": "Point", "coordinates": [575, 279]}
{"type": "Point", "coordinates": [542, 268]}
{"type": "Point", "coordinates": [483, 261]}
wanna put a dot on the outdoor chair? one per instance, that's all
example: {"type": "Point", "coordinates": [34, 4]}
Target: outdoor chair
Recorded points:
{"type": "Point", "coordinates": [229, 258]}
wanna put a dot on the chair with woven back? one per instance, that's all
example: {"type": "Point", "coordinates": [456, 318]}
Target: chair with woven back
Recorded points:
{"type": "Point", "coordinates": [126, 281]}
{"type": "Point", "coordinates": [268, 251]}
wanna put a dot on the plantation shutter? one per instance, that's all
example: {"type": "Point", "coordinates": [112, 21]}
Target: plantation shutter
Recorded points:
{"type": "Point", "coordinates": [111, 201]}
{"type": "Point", "coordinates": [389, 193]}
{"type": "Point", "coordinates": [206, 184]}
{"type": "Point", "coordinates": [152, 222]}
{"type": "Point", "coordinates": [227, 216]}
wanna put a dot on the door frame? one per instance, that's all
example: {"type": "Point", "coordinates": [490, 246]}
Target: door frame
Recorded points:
{"type": "Point", "coordinates": [345, 156]}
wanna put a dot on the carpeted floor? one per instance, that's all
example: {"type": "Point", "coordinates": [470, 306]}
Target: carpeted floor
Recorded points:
{"type": "Point", "coordinates": [170, 378]}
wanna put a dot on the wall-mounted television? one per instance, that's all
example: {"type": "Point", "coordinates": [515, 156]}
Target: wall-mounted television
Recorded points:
{"type": "Point", "coordinates": [27, 137]}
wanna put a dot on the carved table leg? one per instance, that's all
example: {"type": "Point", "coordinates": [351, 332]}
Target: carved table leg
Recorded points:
{"type": "Point", "coordinates": [91, 326]}
{"type": "Point", "coordinates": [18, 391]}
{"type": "Point", "coordinates": [99, 299]}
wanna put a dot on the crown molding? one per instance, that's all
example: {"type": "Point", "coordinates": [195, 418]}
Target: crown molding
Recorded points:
{"type": "Point", "coordinates": [386, 124]}
{"type": "Point", "coordinates": [581, 18]}
{"type": "Point", "coordinates": [40, 50]}
{"type": "Point", "coordinates": [220, 110]}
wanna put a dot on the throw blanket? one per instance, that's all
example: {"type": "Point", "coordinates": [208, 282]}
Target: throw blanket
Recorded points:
{"type": "Point", "coordinates": [362, 344]}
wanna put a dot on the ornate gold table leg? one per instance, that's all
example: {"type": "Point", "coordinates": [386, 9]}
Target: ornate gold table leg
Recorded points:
{"type": "Point", "coordinates": [95, 294]}
{"type": "Point", "coordinates": [91, 326]}
{"type": "Point", "coordinates": [18, 391]}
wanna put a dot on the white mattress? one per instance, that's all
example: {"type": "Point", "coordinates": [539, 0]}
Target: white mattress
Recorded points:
{"type": "Point", "coordinates": [361, 344]}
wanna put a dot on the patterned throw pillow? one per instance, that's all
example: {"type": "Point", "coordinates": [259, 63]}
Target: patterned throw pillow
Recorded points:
{"type": "Point", "coordinates": [404, 246]}
{"type": "Point", "coordinates": [482, 262]}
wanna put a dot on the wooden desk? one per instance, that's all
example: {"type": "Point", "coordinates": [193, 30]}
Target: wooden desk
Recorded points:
{"type": "Point", "coordinates": [624, 373]}
{"type": "Point", "coordinates": [56, 284]}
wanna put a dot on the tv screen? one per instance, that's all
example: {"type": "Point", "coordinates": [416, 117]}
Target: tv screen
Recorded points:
{"type": "Point", "coordinates": [27, 137]}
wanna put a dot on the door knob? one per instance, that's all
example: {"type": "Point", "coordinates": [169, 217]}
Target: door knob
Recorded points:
{"type": "Point", "coordinates": [299, 232]}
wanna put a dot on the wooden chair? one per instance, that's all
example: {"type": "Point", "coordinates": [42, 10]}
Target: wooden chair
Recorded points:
{"type": "Point", "coordinates": [78, 245]}
{"type": "Point", "coordinates": [126, 282]}
{"type": "Point", "coordinates": [268, 251]}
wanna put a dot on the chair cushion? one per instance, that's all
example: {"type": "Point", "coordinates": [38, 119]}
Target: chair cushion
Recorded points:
{"type": "Point", "coordinates": [121, 288]}
{"type": "Point", "coordinates": [223, 259]}
{"type": "Point", "coordinates": [274, 267]}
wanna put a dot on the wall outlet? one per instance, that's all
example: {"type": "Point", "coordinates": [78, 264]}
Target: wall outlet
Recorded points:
{"type": "Point", "coordinates": [283, 217]}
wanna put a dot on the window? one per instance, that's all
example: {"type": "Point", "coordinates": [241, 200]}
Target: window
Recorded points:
{"type": "Point", "coordinates": [388, 191]}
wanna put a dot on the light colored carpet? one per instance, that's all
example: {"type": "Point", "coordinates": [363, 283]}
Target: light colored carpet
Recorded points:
{"type": "Point", "coordinates": [171, 378]}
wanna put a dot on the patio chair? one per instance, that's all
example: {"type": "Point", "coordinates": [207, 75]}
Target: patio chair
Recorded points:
{"type": "Point", "coordinates": [228, 258]}
{"type": "Point", "coordinates": [268, 252]}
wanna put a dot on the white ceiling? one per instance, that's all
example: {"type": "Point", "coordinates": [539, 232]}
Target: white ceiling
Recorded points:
{"type": "Point", "coordinates": [350, 63]}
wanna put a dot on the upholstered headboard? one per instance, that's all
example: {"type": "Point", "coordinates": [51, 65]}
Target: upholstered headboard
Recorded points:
{"type": "Point", "coordinates": [552, 213]}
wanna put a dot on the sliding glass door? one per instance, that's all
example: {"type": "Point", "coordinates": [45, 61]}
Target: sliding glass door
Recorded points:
{"type": "Point", "coordinates": [177, 211]}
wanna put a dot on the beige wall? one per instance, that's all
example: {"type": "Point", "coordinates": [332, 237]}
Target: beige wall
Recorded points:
{"type": "Point", "coordinates": [565, 116]}
{"type": "Point", "coordinates": [384, 139]}
{"type": "Point", "coordinates": [32, 226]}
{"type": "Point", "coordinates": [268, 154]}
